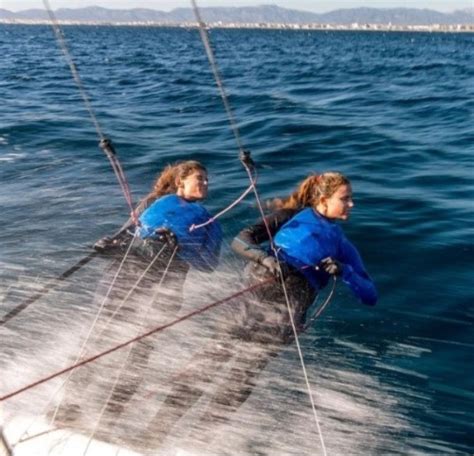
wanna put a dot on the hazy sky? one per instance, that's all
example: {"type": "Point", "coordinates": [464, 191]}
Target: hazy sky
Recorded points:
{"type": "Point", "coordinates": [309, 5]}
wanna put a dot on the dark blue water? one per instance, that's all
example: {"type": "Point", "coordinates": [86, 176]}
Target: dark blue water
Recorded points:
{"type": "Point", "coordinates": [393, 111]}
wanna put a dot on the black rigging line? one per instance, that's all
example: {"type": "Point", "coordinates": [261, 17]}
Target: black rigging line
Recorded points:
{"type": "Point", "coordinates": [49, 286]}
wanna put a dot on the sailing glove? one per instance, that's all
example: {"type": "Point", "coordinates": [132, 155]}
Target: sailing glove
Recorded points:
{"type": "Point", "coordinates": [331, 266]}
{"type": "Point", "coordinates": [167, 236]}
{"type": "Point", "coordinates": [271, 264]}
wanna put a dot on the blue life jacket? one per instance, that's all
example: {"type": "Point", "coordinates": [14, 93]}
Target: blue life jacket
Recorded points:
{"type": "Point", "coordinates": [308, 238]}
{"type": "Point", "coordinates": [199, 247]}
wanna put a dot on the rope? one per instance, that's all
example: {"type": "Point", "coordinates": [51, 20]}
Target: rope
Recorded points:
{"type": "Point", "coordinates": [219, 214]}
{"type": "Point", "coordinates": [78, 357]}
{"type": "Point", "coordinates": [5, 447]}
{"type": "Point", "coordinates": [321, 308]}
{"type": "Point", "coordinates": [225, 101]}
{"type": "Point", "coordinates": [215, 70]}
{"type": "Point", "coordinates": [93, 325]}
{"type": "Point", "coordinates": [233, 124]}
{"type": "Point", "coordinates": [303, 365]}
{"type": "Point", "coordinates": [104, 143]}
{"type": "Point", "coordinates": [122, 367]}
{"type": "Point", "coordinates": [135, 339]}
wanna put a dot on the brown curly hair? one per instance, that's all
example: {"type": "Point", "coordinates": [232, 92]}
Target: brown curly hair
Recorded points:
{"type": "Point", "coordinates": [168, 180]}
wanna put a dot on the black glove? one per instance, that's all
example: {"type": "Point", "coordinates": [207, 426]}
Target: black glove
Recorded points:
{"type": "Point", "coordinates": [271, 263]}
{"type": "Point", "coordinates": [116, 244]}
{"type": "Point", "coordinates": [105, 244]}
{"type": "Point", "coordinates": [331, 266]}
{"type": "Point", "coordinates": [166, 235]}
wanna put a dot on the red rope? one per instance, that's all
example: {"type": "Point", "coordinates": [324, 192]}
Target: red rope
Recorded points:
{"type": "Point", "coordinates": [135, 339]}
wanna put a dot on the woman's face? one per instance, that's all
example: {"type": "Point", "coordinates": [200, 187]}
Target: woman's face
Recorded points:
{"type": "Point", "coordinates": [338, 205]}
{"type": "Point", "coordinates": [194, 186]}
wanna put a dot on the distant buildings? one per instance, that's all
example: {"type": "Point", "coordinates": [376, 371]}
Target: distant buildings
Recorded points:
{"type": "Point", "coordinates": [261, 25]}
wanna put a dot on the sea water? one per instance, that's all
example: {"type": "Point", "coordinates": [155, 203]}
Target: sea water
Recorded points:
{"type": "Point", "coordinates": [393, 111]}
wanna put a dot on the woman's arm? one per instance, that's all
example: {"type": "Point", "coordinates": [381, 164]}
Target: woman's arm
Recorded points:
{"type": "Point", "coordinates": [248, 242]}
{"type": "Point", "coordinates": [355, 276]}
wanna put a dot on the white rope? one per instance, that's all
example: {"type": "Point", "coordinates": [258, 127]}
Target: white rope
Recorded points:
{"type": "Point", "coordinates": [135, 285]}
{"type": "Point", "coordinates": [293, 327]}
{"type": "Point", "coordinates": [82, 349]}
{"type": "Point", "coordinates": [104, 143]}
{"type": "Point", "coordinates": [219, 214]}
{"type": "Point", "coordinates": [321, 308]}
{"type": "Point", "coordinates": [303, 365]}
{"type": "Point", "coordinates": [79, 355]}
{"type": "Point", "coordinates": [124, 364]}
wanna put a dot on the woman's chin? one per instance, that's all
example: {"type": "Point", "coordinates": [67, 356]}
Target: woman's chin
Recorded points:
{"type": "Point", "coordinates": [196, 197]}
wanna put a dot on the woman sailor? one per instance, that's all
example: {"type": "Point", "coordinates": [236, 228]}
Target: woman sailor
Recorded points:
{"type": "Point", "coordinates": [168, 214]}
{"type": "Point", "coordinates": [308, 249]}
{"type": "Point", "coordinates": [147, 286]}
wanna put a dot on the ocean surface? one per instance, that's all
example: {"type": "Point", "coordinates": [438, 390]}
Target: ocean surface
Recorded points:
{"type": "Point", "coordinates": [393, 111]}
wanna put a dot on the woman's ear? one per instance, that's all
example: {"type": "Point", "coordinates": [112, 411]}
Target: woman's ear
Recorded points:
{"type": "Point", "coordinates": [323, 203]}
{"type": "Point", "coordinates": [179, 183]}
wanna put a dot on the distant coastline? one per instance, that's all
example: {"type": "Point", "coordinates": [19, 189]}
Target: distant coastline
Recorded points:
{"type": "Point", "coordinates": [446, 28]}
{"type": "Point", "coordinates": [266, 17]}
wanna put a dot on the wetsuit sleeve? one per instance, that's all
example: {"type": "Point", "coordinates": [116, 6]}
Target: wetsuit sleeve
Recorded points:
{"type": "Point", "coordinates": [248, 242]}
{"type": "Point", "coordinates": [355, 276]}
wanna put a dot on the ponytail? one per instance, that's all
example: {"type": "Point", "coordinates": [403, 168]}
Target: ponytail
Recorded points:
{"type": "Point", "coordinates": [310, 191]}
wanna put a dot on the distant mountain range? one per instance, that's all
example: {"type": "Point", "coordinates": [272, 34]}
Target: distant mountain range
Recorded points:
{"type": "Point", "coordinates": [259, 14]}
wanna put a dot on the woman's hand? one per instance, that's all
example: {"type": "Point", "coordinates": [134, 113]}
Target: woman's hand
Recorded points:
{"type": "Point", "coordinates": [167, 236]}
{"type": "Point", "coordinates": [104, 244]}
{"type": "Point", "coordinates": [331, 266]}
{"type": "Point", "coordinates": [274, 266]}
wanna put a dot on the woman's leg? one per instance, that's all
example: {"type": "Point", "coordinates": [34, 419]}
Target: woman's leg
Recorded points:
{"type": "Point", "coordinates": [242, 378]}
{"type": "Point", "coordinates": [266, 328]}
{"type": "Point", "coordinates": [156, 300]}
{"type": "Point", "coordinates": [128, 298]}
{"type": "Point", "coordinates": [187, 388]}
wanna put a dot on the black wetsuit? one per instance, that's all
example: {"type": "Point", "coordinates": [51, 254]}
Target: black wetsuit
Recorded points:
{"type": "Point", "coordinates": [150, 283]}
{"type": "Point", "coordinates": [138, 294]}
{"type": "Point", "coordinates": [266, 313]}
{"type": "Point", "coordinates": [135, 295]}
{"type": "Point", "coordinates": [258, 328]}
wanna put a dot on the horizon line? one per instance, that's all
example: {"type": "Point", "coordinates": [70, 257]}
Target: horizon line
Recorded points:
{"type": "Point", "coordinates": [256, 6]}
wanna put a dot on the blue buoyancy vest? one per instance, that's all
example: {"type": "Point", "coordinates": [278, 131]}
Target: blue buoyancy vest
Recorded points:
{"type": "Point", "coordinates": [308, 238]}
{"type": "Point", "coordinates": [199, 247]}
